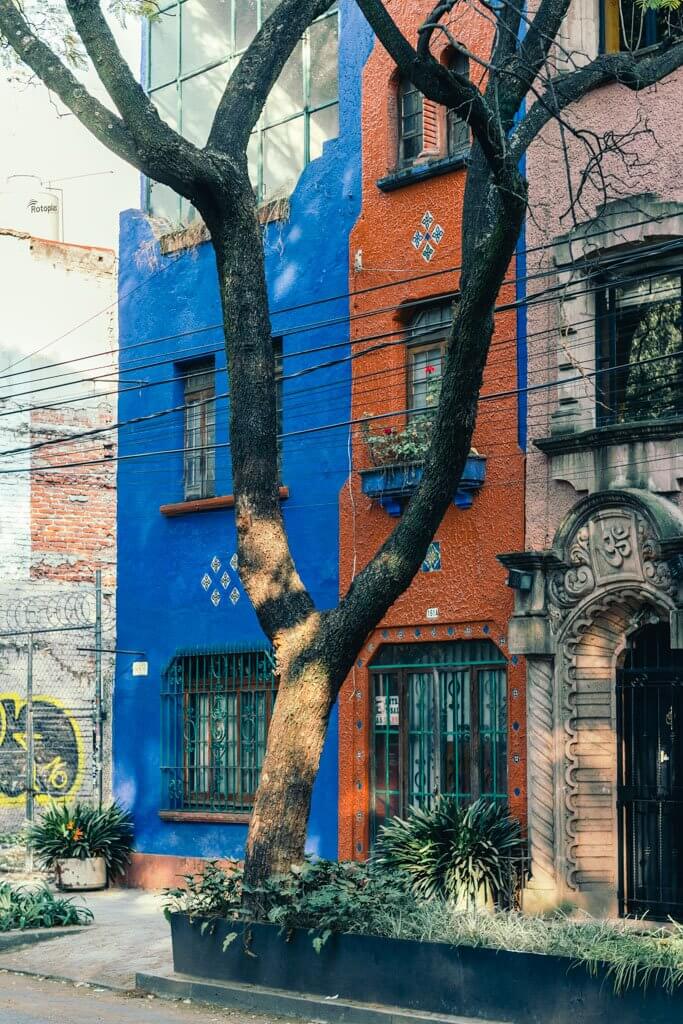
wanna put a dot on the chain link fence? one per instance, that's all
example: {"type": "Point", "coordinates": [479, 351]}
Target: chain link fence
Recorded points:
{"type": "Point", "coordinates": [56, 674]}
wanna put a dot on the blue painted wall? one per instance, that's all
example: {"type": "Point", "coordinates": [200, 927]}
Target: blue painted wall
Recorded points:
{"type": "Point", "coordinates": [165, 304]}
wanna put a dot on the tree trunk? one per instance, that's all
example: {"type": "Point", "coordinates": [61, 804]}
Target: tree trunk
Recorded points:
{"type": "Point", "coordinates": [306, 695]}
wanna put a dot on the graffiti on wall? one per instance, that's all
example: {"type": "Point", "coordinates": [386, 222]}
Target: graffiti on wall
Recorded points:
{"type": "Point", "coordinates": [59, 753]}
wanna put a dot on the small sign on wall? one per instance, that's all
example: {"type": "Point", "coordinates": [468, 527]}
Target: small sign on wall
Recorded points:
{"type": "Point", "coordinates": [140, 668]}
{"type": "Point", "coordinates": [432, 613]}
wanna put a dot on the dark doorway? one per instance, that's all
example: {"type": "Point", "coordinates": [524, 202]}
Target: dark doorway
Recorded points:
{"type": "Point", "coordinates": [650, 775]}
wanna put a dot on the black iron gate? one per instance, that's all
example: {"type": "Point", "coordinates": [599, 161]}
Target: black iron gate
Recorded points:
{"type": "Point", "coordinates": [650, 790]}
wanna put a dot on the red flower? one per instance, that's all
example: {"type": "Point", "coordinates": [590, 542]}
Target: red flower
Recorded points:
{"type": "Point", "coordinates": [430, 369]}
{"type": "Point", "coordinates": [388, 431]}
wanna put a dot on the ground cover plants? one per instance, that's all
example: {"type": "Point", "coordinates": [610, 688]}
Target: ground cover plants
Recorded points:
{"type": "Point", "coordinates": [27, 907]}
{"type": "Point", "coordinates": [423, 884]}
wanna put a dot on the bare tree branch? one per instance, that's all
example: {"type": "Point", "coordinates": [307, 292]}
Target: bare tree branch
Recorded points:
{"type": "Point", "coordinates": [106, 126]}
{"type": "Point", "coordinates": [258, 70]}
{"type": "Point", "coordinates": [635, 71]}
{"type": "Point", "coordinates": [138, 112]}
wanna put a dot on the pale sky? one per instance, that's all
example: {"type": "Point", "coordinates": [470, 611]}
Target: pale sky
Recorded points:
{"type": "Point", "coordinates": [41, 137]}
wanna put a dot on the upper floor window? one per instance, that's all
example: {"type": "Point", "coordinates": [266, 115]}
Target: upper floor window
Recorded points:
{"type": "Point", "coordinates": [640, 351]}
{"type": "Point", "coordinates": [410, 122]}
{"type": "Point", "coordinates": [628, 25]}
{"type": "Point", "coordinates": [427, 335]}
{"type": "Point", "coordinates": [216, 710]}
{"type": "Point", "coordinates": [439, 724]}
{"type": "Point", "coordinates": [425, 130]}
{"type": "Point", "coordinates": [194, 46]}
{"type": "Point", "coordinates": [200, 432]}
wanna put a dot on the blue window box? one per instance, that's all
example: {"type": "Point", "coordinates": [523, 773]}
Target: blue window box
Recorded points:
{"type": "Point", "coordinates": [392, 486]}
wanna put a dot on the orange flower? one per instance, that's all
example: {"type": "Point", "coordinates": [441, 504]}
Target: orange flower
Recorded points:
{"type": "Point", "coordinates": [69, 825]}
{"type": "Point", "coordinates": [78, 834]}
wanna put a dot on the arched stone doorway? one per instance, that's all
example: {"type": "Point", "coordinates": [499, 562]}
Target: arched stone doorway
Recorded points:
{"type": "Point", "coordinates": [614, 568]}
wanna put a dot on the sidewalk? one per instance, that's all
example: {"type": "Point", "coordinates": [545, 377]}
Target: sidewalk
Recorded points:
{"type": "Point", "coordinates": [129, 934]}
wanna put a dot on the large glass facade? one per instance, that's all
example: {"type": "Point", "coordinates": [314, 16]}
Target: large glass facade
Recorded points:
{"type": "Point", "coordinates": [194, 46]}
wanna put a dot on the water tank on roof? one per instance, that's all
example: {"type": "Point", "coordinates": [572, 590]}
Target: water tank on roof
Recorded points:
{"type": "Point", "coordinates": [27, 205]}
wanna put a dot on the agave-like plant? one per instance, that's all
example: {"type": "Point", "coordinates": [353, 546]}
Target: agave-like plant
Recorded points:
{"type": "Point", "coordinates": [78, 830]}
{"type": "Point", "coordinates": [451, 851]}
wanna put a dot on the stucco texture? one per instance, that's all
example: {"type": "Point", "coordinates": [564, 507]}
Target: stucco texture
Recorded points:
{"type": "Point", "coordinates": [166, 305]}
{"type": "Point", "coordinates": [470, 590]}
{"type": "Point", "coordinates": [653, 167]}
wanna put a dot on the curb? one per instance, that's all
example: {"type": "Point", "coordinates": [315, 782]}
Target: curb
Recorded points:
{"type": "Point", "coordinates": [32, 936]}
{"type": "Point", "coordinates": [279, 1003]}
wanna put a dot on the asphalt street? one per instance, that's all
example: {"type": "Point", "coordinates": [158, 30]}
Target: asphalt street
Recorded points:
{"type": "Point", "coordinates": [27, 1000]}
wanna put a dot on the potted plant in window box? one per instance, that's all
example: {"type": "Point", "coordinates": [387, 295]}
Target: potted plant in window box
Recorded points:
{"type": "Point", "coordinates": [398, 455]}
{"type": "Point", "coordinates": [85, 846]}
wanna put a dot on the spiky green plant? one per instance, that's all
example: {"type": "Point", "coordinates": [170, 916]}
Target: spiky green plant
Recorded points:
{"type": "Point", "coordinates": [77, 830]}
{"type": "Point", "coordinates": [451, 851]}
{"type": "Point", "coordinates": [24, 907]}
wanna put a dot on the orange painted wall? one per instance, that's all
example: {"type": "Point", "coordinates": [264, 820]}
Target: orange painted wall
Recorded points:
{"type": "Point", "coordinates": [470, 591]}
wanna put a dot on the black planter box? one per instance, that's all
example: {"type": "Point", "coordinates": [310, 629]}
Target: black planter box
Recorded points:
{"type": "Point", "coordinates": [525, 988]}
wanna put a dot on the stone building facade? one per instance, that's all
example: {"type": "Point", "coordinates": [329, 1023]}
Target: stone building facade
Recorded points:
{"type": "Point", "coordinates": [598, 609]}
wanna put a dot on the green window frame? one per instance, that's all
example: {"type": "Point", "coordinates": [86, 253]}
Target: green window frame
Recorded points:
{"type": "Point", "coordinates": [216, 709]}
{"type": "Point", "coordinates": [439, 725]}
{"type": "Point", "coordinates": [190, 68]}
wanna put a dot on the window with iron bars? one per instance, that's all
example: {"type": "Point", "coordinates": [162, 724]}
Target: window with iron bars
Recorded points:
{"type": "Point", "coordinates": [194, 47]}
{"type": "Point", "coordinates": [439, 725]}
{"type": "Point", "coordinates": [200, 432]}
{"type": "Point", "coordinates": [216, 709]}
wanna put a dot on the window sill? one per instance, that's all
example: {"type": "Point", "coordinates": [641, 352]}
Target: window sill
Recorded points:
{"type": "Point", "coordinates": [208, 817]}
{"type": "Point", "coordinates": [224, 501]}
{"type": "Point", "coordinates": [422, 172]}
{"type": "Point", "coordinates": [610, 434]}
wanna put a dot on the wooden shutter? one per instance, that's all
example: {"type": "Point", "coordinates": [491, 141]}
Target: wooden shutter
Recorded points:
{"type": "Point", "coordinates": [430, 127]}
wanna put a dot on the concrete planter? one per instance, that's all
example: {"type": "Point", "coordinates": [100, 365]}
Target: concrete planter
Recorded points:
{"type": "Point", "coordinates": [74, 875]}
{"type": "Point", "coordinates": [427, 977]}
{"type": "Point", "coordinates": [392, 486]}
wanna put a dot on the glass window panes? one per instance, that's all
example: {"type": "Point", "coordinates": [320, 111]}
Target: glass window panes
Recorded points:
{"type": "Point", "coordinates": [439, 727]}
{"type": "Point", "coordinates": [283, 157]}
{"type": "Point", "coordinates": [246, 23]}
{"type": "Point", "coordinates": [410, 122]}
{"type": "Point", "coordinates": [166, 102]}
{"type": "Point", "coordinates": [205, 33]}
{"type": "Point", "coordinates": [200, 97]}
{"type": "Point", "coordinates": [425, 375]}
{"type": "Point", "coordinates": [216, 710]}
{"type": "Point", "coordinates": [163, 47]}
{"type": "Point", "coordinates": [200, 432]}
{"type": "Point", "coordinates": [641, 349]}
{"type": "Point", "coordinates": [193, 34]}
{"type": "Point", "coordinates": [323, 126]}
{"type": "Point", "coordinates": [164, 202]}
{"type": "Point", "coordinates": [287, 95]}
{"type": "Point", "coordinates": [324, 45]}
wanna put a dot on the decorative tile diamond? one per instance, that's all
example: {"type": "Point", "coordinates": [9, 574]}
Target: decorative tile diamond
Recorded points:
{"type": "Point", "coordinates": [432, 561]}
{"type": "Point", "coordinates": [206, 581]}
{"type": "Point", "coordinates": [427, 237]}
{"type": "Point", "coordinates": [234, 563]}
{"type": "Point", "coordinates": [215, 563]}
{"type": "Point", "coordinates": [234, 595]}
{"type": "Point", "coordinates": [225, 581]}
{"type": "Point", "coordinates": [215, 598]}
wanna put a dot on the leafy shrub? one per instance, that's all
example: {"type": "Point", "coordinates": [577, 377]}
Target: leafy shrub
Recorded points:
{"type": "Point", "coordinates": [321, 896]}
{"type": "Point", "coordinates": [37, 908]}
{"type": "Point", "coordinates": [77, 830]}
{"type": "Point", "coordinates": [451, 851]}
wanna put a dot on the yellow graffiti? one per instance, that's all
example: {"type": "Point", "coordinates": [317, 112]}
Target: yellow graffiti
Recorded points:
{"type": "Point", "coordinates": [55, 772]}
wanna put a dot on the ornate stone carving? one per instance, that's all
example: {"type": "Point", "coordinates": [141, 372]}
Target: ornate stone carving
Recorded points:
{"type": "Point", "coordinates": [613, 545]}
